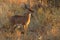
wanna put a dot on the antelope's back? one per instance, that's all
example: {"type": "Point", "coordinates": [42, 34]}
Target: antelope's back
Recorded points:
{"type": "Point", "coordinates": [18, 20]}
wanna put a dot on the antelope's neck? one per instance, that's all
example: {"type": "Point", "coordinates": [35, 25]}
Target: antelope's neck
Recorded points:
{"type": "Point", "coordinates": [29, 16]}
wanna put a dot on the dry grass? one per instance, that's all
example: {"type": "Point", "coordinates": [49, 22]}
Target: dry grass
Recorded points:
{"type": "Point", "coordinates": [45, 23]}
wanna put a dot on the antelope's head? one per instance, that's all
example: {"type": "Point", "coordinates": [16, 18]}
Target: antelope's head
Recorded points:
{"type": "Point", "coordinates": [29, 10]}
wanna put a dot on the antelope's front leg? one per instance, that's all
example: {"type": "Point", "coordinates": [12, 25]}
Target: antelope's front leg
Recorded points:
{"type": "Point", "coordinates": [25, 31]}
{"type": "Point", "coordinates": [25, 28]}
